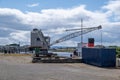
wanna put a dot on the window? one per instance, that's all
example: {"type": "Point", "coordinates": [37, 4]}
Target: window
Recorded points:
{"type": "Point", "coordinates": [38, 39]}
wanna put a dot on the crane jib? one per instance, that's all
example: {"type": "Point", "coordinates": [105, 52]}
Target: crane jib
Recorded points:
{"type": "Point", "coordinates": [76, 34]}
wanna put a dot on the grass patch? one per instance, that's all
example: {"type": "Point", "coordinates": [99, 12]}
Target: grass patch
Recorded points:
{"type": "Point", "coordinates": [15, 54]}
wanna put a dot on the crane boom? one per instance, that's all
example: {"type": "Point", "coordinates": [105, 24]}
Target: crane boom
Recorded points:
{"type": "Point", "coordinates": [76, 34]}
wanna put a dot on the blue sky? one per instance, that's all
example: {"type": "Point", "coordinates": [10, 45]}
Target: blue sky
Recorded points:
{"type": "Point", "coordinates": [48, 4]}
{"type": "Point", "coordinates": [19, 17]}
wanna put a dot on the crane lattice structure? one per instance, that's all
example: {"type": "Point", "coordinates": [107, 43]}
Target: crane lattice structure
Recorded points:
{"type": "Point", "coordinates": [76, 34]}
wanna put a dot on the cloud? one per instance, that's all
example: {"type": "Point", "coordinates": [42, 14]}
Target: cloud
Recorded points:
{"type": "Point", "coordinates": [113, 8]}
{"type": "Point", "coordinates": [5, 40]}
{"type": "Point", "coordinates": [21, 35]}
{"type": "Point", "coordinates": [13, 19]}
{"type": "Point", "coordinates": [16, 25]}
{"type": "Point", "coordinates": [33, 5]}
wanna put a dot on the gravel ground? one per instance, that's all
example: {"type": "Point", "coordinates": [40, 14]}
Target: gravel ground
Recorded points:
{"type": "Point", "coordinates": [20, 68]}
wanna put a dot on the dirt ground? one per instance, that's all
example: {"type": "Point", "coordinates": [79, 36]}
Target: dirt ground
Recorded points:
{"type": "Point", "coordinates": [19, 67]}
{"type": "Point", "coordinates": [16, 58]}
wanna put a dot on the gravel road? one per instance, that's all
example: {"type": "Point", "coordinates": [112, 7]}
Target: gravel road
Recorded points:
{"type": "Point", "coordinates": [20, 68]}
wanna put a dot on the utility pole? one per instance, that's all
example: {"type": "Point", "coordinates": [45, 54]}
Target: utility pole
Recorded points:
{"type": "Point", "coordinates": [19, 48]}
{"type": "Point", "coordinates": [101, 38]}
{"type": "Point", "coordinates": [81, 31]}
{"type": "Point", "coordinates": [81, 36]}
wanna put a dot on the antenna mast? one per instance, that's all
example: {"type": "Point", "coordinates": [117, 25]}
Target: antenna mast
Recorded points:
{"type": "Point", "coordinates": [81, 35]}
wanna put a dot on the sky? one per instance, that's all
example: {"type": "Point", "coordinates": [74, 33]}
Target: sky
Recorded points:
{"type": "Point", "coordinates": [53, 17]}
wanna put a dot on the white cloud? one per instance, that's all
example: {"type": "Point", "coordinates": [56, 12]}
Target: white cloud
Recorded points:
{"type": "Point", "coordinates": [113, 8]}
{"type": "Point", "coordinates": [21, 35]}
{"type": "Point", "coordinates": [4, 40]}
{"type": "Point", "coordinates": [55, 21]}
{"type": "Point", "coordinates": [33, 5]}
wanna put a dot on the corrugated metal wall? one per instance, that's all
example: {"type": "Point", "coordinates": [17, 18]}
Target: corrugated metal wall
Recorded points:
{"type": "Point", "coordinates": [34, 41]}
{"type": "Point", "coordinates": [103, 57]}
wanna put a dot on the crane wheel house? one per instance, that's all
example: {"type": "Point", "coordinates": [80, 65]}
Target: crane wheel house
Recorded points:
{"type": "Point", "coordinates": [41, 44]}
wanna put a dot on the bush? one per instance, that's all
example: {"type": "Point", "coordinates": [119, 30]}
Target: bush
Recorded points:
{"type": "Point", "coordinates": [118, 52]}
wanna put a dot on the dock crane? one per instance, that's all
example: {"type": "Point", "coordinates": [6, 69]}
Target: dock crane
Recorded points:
{"type": "Point", "coordinates": [42, 44]}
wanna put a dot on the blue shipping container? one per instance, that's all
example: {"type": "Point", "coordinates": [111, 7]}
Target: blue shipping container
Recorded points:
{"type": "Point", "coordinates": [103, 57]}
